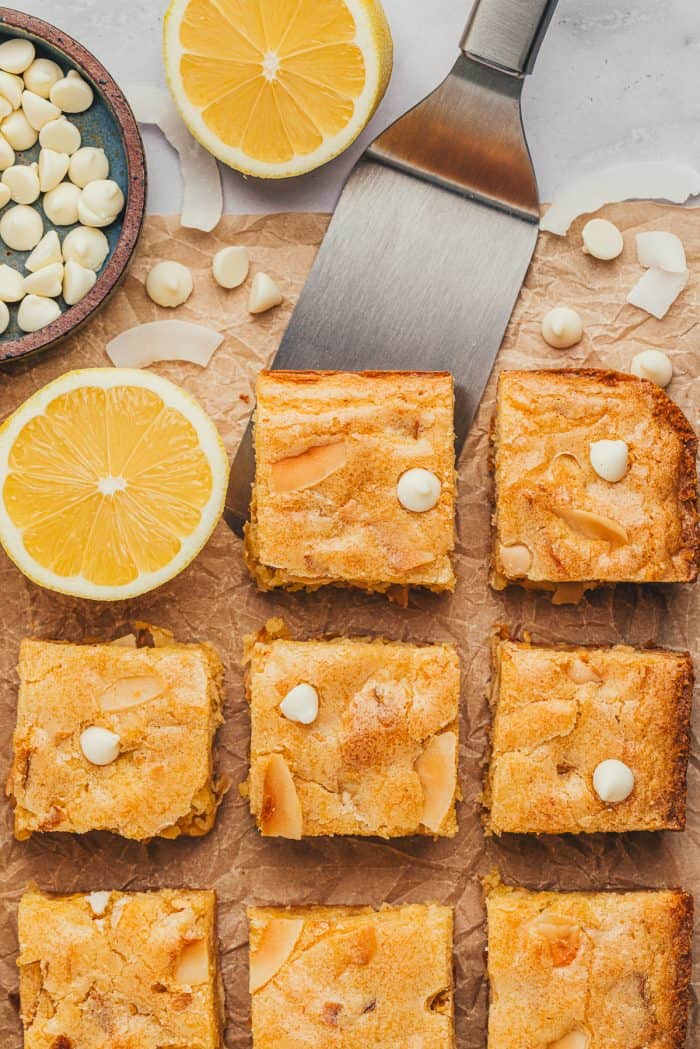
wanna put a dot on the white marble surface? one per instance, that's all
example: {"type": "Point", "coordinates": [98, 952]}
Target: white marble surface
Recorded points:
{"type": "Point", "coordinates": [614, 81]}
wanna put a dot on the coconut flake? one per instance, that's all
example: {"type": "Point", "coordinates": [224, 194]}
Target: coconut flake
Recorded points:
{"type": "Point", "coordinates": [656, 291]}
{"type": "Point", "coordinates": [661, 251]}
{"type": "Point", "coordinates": [163, 341]}
{"type": "Point", "coordinates": [655, 180]}
{"type": "Point", "coordinates": [202, 203]}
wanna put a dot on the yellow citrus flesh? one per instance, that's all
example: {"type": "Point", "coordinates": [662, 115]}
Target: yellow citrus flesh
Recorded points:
{"type": "Point", "coordinates": [277, 87]}
{"type": "Point", "coordinates": [114, 480]}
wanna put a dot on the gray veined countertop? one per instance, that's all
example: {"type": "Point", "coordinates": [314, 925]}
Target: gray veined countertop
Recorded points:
{"type": "Point", "coordinates": [614, 81]}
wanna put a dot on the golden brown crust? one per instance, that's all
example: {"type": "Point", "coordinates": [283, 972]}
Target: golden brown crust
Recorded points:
{"type": "Point", "coordinates": [330, 447]}
{"type": "Point", "coordinates": [163, 782]}
{"type": "Point", "coordinates": [544, 425]}
{"type": "Point", "coordinates": [137, 969]}
{"type": "Point", "coordinates": [551, 730]}
{"type": "Point", "coordinates": [613, 966]}
{"type": "Point", "coordinates": [354, 977]}
{"type": "Point", "coordinates": [374, 758]}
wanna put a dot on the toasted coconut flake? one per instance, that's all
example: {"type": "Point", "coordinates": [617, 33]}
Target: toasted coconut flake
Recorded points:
{"type": "Point", "coordinates": [656, 180]}
{"type": "Point", "coordinates": [163, 341]}
{"type": "Point", "coordinates": [192, 966]}
{"type": "Point", "coordinates": [568, 593]}
{"type": "Point", "coordinates": [309, 468]}
{"type": "Point", "coordinates": [130, 692]}
{"type": "Point", "coordinates": [661, 251]}
{"type": "Point", "coordinates": [656, 291]}
{"type": "Point", "coordinates": [278, 940]}
{"type": "Point", "coordinates": [592, 525]}
{"type": "Point", "coordinates": [437, 771]}
{"type": "Point", "coordinates": [280, 815]}
{"type": "Point", "coordinates": [202, 203]}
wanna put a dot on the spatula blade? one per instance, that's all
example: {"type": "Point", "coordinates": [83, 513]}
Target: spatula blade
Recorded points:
{"type": "Point", "coordinates": [410, 276]}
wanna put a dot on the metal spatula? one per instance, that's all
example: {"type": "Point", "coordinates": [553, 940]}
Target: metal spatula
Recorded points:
{"type": "Point", "coordinates": [432, 235]}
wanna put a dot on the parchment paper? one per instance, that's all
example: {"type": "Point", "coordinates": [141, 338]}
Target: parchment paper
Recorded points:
{"type": "Point", "coordinates": [214, 599]}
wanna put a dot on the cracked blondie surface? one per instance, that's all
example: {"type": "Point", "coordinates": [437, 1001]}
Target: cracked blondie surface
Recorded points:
{"type": "Point", "coordinates": [330, 448]}
{"type": "Point", "coordinates": [380, 758]}
{"type": "Point", "coordinates": [351, 977]}
{"type": "Point", "coordinates": [560, 712]}
{"type": "Point", "coordinates": [578, 970]}
{"type": "Point", "coordinates": [164, 704]}
{"type": "Point", "coordinates": [126, 970]}
{"type": "Point", "coordinates": [556, 520]}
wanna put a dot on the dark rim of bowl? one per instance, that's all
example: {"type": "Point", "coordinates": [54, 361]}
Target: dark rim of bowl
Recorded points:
{"type": "Point", "coordinates": [135, 207]}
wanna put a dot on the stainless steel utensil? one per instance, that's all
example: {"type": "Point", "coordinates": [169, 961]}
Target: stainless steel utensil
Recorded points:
{"type": "Point", "coordinates": [433, 233]}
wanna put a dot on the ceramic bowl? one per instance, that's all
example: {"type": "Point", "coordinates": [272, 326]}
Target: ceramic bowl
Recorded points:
{"type": "Point", "coordinates": [108, 123]}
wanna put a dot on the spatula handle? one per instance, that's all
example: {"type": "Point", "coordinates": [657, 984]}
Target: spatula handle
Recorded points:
{"type": "Point", "coordinates": [507, 33]}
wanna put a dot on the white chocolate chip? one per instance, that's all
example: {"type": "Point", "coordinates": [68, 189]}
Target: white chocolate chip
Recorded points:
{"type": "Point", "coordinates": [5, 108]}
{"type": "Point", "coordinates": [18, 131]}
{"type": "Point", "coordinates": [582, 673]}
{"type": "Point", "coordinates": [576, 1039]}
{"type": "Point", "coordinates": [418, 490]}
{"type": "Point", "coordinates": [4, 317]}
{"type": "Point", "coordinates": [4, 195]}
{"type": "Point", "coordinates": [46, 281]}
{"type": "Point", "coordinates": [652, 365]}
{"type": "Point", "coordinates": [16, 55]}
{"type": "Point", "coordinates": [61, 135]}
{"type": "Point", "coordinates": [516, 559]}
{"type": "Point", "coordinates": [47, 251]}
{"type": "Point", "coordinates": [99, 745]}
{"type": "Point", "coordinates": [609, 459]}
{"type": "Point", "coordinates": [61, 204]}
{"type": "Point", "coordinates": [301, 704]}
{"type": "Point", "coordinates": [87, 165]}
{"type": "Point", "coordinates": [36, 311]}
{"type": "Point", "coordinates": [169, 283]}
{"type": "Point", "coordinates": [100, 203]}
{"type": "Point", "coordinates": [11, 88]}
{"type": "Point", "coordinates": [602, 239]}
{"type": "Point", "coordinates": [230, 266]}
{"type": "Point", "coordinates": [613, 781]}
{"type": "Point", "coordinates": [7, 153]}
{"type": "Point", "coordinates": [72, 94]}
{"type": "Point", "coordinates": [562, 327]}
{"type": "Point", "coordinates": [77, 282]}
{"type": "Point", "coordinates": [98, 902]}
{"type": "Point", "coordinates": [40, 77]}
{"type": "Point", "coordinates": [264, 294]}
{"type": "Point", "coordinates": [21, 228]}
{"type": "Point", "coordinates": [38, 111]}
{"type": "Point", "coordinates": [52, 168]}
{"type": "Point", "coordinates": [22, 180]}
{"type": "Point", "coordinates": [11, 284]}
{"type": "Point", "coordinates": [87, 246]}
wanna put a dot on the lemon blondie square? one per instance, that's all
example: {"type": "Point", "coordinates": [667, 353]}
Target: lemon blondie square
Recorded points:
{"type": "Point", "coordinates": [116, 737]}
{"type": "Point", "coordinates": [134, 970]}
{"type": "Point", "coordinates": [597, 970]}
{"type": "Point", "coordinates": [351, 977]}
{"type": "Point", "coordinates": [354, 480]}
{"type": "Point", "coordinates": [595, 483]}
{"type": "Point", "coordinates": [352, 736]}
{"type": "Point", "coordinates": [588, 739]}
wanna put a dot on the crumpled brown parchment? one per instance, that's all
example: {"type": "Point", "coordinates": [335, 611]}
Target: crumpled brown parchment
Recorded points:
{"type": "Point", "coordinates": [215, 600]}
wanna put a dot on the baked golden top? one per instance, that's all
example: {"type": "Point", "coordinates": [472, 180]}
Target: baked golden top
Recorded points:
{"type": "Point", "coordinates": [559, 712]}
{"type": "Point", "coordinates": [133, 970]}
{"type": "Point", "coordinates": [612, 968]}
{"type": "Point", "coordinates": [349, 978]}
{"type": "Point", "coordinates": [330, 448]}
{"type": "Point", "coordinates": [165, 705]}
{"type": "Point", "coordinates": [558, 521]}
{"type": "Point", "coordinates": [381, 756]}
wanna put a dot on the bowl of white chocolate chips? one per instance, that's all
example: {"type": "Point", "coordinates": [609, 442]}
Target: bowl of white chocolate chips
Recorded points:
{"type": "Point", "coordinates": [72, 184]}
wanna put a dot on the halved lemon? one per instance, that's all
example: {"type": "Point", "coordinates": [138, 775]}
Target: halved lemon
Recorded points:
{"type": "Point", "coordinates": [276, 87]}
{"type": "Point", "coordinates": [112, 481]}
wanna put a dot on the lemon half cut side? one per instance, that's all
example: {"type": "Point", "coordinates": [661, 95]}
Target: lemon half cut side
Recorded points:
{"type": "Point", "coordinates": [276, 88]}
{"type": "Point", "coordinates": [112, 481]}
